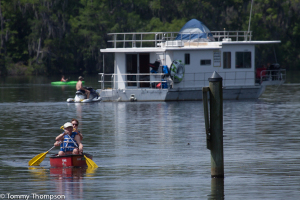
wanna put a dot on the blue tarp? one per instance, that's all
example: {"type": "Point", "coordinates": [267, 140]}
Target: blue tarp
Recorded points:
{"type": "Point", "coordinates": [194, 29]}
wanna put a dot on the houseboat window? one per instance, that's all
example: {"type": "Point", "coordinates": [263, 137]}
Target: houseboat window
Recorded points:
{"type": "Point", "coordinates": [187, 58]}
{"type": "Point", "coordinates": [205, 62]}
{"type": "Point", "coordinates": [131, 68]}
{"type": "Point", "coordinates": [226, 60]}
{"type": "Point", "coordinates": [243, 59]}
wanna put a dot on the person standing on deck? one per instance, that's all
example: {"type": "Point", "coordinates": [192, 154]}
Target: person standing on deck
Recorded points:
{"type": "Point", "coordinates": [81, 89]}
{"type": "Point", "coordinates": [69, 141]}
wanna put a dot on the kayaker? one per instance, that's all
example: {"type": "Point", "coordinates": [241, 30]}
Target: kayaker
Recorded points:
{"type": "Point", "coordinates": [75, 124]}
{"type": "Point", "coordinates": [63, 79]}
{"type": "Point", "coordinates": [81, 89]}
{"type": "Point", "coordinates": [68, 137]}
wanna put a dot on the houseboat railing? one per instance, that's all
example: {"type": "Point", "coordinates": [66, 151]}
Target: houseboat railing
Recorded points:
{"type": "Point", "coordinates": [242, 78]}
{"type": "Point", "coordinates": [132, 39]}
{"type": "Point", "coordinates": [272, 75]}
{"type": "Point", "coordinates": [113, 78]}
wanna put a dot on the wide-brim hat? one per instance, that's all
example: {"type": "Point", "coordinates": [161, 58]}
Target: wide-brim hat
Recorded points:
{"type": "Point", "coordinates": [68, 124]}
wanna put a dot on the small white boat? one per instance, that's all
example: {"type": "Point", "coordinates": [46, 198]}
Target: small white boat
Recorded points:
{"type": "Point", "coordinates": [176, 65]}
{"type": "Point", "coordinates": [81, 98]}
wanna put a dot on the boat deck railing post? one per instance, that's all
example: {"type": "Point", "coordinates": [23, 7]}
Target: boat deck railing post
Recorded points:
{"type": "Point", "coordinates": [133, 40]}
{"type": "Point", "coordinates": [115, 41]}
{"type": "Point", "coordinates": [102, 79]}
{"type": "Point", "coordinates": [124, 41]}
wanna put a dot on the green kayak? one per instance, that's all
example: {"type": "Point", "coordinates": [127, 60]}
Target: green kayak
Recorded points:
{"type": "Point", "coordinates": [65, 83]}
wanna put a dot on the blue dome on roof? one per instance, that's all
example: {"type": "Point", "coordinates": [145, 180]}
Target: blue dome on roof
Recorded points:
{"type": "Point", "coordinates": [193, 29]}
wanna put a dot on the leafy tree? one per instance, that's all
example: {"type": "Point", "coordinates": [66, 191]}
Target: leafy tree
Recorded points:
{"type": "Point", "coordinates": [63, 36]}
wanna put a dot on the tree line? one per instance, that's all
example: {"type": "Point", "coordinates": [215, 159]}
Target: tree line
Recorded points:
{"type": "Point", "coordinates": [64, 36]}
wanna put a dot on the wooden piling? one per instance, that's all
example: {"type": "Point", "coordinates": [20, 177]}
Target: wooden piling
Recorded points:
{"type": "Point", "coordinates": [217, 189]}
{"type": "Point", "coordinates": [216, 125]}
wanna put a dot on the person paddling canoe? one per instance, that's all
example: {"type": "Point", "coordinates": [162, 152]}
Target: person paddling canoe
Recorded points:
{"type": "Point", "coordinates": [75, 124]}
{"type": "Point", "coordinates": [68, 137]}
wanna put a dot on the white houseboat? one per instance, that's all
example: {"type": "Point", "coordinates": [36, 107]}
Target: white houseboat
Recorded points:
{"type": "Point", "coordinates": [174, 66]}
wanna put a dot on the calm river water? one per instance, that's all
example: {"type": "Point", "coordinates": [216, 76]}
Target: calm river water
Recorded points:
{"type": "Point", "coordinates": [153, 150]}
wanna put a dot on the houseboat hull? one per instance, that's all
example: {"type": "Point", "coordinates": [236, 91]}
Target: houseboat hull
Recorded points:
{"type": "Point", "coordinates": [69, 160]}
{"type": "Point", "coordinates": [186, 94]}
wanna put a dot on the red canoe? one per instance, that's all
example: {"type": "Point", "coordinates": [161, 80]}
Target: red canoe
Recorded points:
{"type": "Point", "coordinates": [69, 160]}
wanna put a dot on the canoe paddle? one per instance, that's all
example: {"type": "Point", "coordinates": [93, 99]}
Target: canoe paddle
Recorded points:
{"type": "Point", "coordinates": [89, 162]}
{"type": "Point", "coordinates": [36, 161]}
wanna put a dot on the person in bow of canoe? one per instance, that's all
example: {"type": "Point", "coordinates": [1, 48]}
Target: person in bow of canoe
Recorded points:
{"type": "Point", "coordinates": [75, 124]}
{"type": "Point", "coordinates": [66, 141]}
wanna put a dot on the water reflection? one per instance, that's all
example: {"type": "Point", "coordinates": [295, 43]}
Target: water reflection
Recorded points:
{"type": "Point", "coordinates": [39, 173]}
{"type": "Point", "coordinates": [67, 181]}
{"type": "Point", "coordinates": [154, 150]}
{"type": "Point", "coordinates": [78, 107]}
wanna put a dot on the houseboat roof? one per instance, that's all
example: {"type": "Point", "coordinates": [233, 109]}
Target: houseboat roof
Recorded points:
{"type": "Point", "coordinates": [182, 45]}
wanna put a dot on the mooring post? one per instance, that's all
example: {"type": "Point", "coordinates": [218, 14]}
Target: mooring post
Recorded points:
{"type": "Point", "coordinates": [214, 126]}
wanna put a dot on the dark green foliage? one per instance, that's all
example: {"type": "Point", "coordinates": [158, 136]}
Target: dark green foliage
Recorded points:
{"type": "Point", "coordinates": [63, 36]}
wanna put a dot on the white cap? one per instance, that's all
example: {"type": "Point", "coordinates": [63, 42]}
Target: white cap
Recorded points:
{"type": "Point", "coordinates": [68, 124]}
